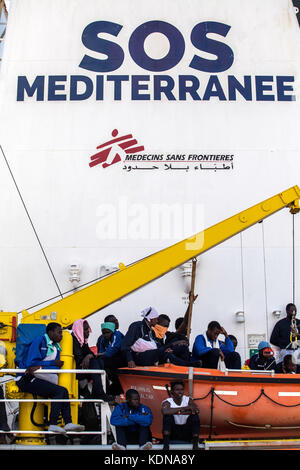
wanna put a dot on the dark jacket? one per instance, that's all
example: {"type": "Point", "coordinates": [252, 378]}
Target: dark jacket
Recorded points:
{"type": "Point", "coordinates": [80, 352]}
{"type": "Point", "coordinates": [136, 330]}
{"type": "Point", "coordinates": [281, 333]}
{"type": "Point", "coordinates": [279, 369]}
{"type": "Point", "coordinates": [262, 363]}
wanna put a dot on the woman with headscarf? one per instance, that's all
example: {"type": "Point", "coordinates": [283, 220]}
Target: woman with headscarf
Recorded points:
{"type": "Point", "coordinates": [86, 359]}
{"type": "Point", "coordinates": [140, 346]}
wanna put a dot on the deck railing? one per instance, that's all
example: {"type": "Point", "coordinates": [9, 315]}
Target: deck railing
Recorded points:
{"type": "Point", "coordinates": [105, 411]}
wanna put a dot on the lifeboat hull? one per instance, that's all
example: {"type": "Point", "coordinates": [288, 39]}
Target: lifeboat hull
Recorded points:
{"type": "Point", "coordinates": [233, 405]}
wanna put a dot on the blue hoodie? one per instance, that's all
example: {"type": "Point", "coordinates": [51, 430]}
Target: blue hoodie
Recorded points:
{"type": "Point", "coordinates": [112, 347]}
{"type": "Point", "coordinates": [200, 348]}
{"type": "Point", "coordinates": [36, 354]}
{"type": "Point", "coordinates": [131, 417]}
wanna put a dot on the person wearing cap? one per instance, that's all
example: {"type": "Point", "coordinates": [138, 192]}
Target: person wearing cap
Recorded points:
{"type": "Point", "coordinates": [283, 336]}
{"type": "Point", "coordinates": [86, 359]}
{"type": "Point", "coordinates": [264, 359]}
{"type": "Point", "coordinates": [110, 355]}
{"type": "Point", "coordinates": [139, 345]}
{"type": "Point", "coordinates": [112, 319]}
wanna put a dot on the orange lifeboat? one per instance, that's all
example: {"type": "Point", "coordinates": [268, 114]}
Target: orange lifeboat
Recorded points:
{"type": "Point", "coordinates": [233, 404]}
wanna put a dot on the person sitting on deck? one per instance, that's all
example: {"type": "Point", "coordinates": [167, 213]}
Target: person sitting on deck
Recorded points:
{"type": "Point", "coordinates": [176, 343]}
{"type": "Point", "coordinates": [179, 336]}
{"type": "Point", "coordinates": [180, 417]}
{"type": "Point", "coordinates": [113, 319]}
{"type": "Point", "coordinates": [110, 355]}
{"type": "Point", "coordinates": [3, 415]}
{"type": "Point", "coordinates": [287, 366]}
{"type": "Point", "coordinates": [3, 419]}
{"type": "Point", "coordinates": [86, 359]}
{"type": "Point", "coordinates": [44, 352]}
{"type": "Point", "coordinates": [214, 353]}
{"type": "Point", "coordinates": [132, 421]}
{"type": "Point", "coordinates": [139, 345]}
{"type": "Point", "coordinates": [238, 357]}
{"type": "Point", "coordinates": [264, 359]}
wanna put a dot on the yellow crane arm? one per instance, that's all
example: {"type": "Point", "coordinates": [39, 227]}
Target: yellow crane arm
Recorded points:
{"type": "Point", "coordinates": [104, 292]}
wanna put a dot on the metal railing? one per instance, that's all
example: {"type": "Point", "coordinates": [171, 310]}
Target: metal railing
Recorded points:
{"type": "Point", "coordinates": [105, 411]}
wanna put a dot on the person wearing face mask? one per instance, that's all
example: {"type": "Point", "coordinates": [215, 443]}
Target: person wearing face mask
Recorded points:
{"type": "Point", "coordinates": [179, 336]}
{"type": "Point", "coordinates": [139, 345]}
{"type": "Point", "coordinates": [264, 359]}
{"type": "Point", "coordinates": [176, 344]}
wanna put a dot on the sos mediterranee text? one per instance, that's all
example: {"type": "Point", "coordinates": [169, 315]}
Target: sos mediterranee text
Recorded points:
{"type": "Point", "coordinates": [203, 80]}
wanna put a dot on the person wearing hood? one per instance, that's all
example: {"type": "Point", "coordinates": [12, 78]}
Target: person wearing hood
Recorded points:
{"type": "Point", "coordinates": [86, 359]}
{"type": "Point", "coordinates": [264, 359]}
{"type": "Point", "coordinates": [139, 345]}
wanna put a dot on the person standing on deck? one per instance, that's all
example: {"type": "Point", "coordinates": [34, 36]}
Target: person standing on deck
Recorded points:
{"type": "Point", "coordinates": [283, 336]}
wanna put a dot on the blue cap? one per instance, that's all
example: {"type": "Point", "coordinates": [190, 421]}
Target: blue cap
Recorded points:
{"type": "Point", "coordinates": [263, 345]}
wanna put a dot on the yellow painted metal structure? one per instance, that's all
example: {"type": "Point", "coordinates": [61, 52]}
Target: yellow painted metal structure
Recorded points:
{"type": "Point", "coordinates": [91, 299]}
{"type": "Point", "coordinates": [126, 280]}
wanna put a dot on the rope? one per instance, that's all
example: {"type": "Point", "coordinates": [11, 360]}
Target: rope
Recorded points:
{"type": "Point", "coordinates": [244, 405]}
{"type": "Point", "coordinates": [32, 225]}
{"type": "Point", "coordinates": [293, 256]}
{"type": "Point", "coordinates": [265, 276]}
{"type": "Point", "coordinates": [203, 398]}
{"type": "Point", "coordinates": [280, 404]}
{"type": "Point", "coordinates": [243, 289]}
